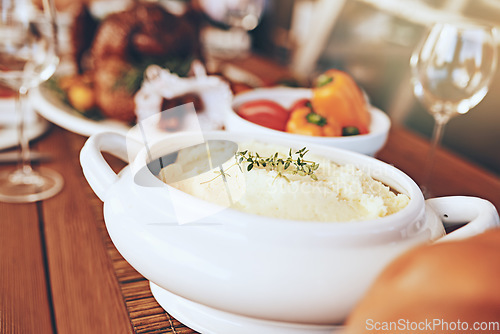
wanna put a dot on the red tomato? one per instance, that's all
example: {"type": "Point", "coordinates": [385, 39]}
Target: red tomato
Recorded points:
{"type": "Point", "coordinates": [299, 104]}
{"type": "Point", "coordinates": [264, 112]}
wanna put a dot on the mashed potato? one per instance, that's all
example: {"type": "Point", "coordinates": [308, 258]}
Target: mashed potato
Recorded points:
{"type": "Point", "coordinates": [340, 193]}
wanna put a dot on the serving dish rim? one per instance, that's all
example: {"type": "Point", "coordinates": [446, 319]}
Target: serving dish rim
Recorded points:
{"type": "Point", "coordinates": [413, 211]}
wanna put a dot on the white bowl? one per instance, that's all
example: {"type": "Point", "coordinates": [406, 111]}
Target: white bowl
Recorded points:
{"type": "Point", "coordinates": [233, 272]}
{"type": "Point", "coordinates": [368, 144]}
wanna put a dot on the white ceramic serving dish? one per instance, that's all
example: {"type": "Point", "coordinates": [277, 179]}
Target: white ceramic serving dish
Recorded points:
{"type": "Point", "coordinates": [368, 144]}
{"type": "Point", "coordinates": [232, 272]}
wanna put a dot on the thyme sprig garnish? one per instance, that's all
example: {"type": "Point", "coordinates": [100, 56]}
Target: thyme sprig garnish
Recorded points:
{"type": "Point", "coordinates": [220, 173]}
{"type": "Point", "coordinates": [294, 164]}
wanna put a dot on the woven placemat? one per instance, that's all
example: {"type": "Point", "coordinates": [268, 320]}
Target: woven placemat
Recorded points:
{"type": "Point", "coordinates": [146, 315]}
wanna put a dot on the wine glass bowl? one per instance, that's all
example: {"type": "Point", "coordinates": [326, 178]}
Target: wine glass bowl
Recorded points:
{"type": "Point", "coordinates": [244, 14]}
{"type": "Point", "coordinates": [28, 56]}
{"type": "Point", "coordinates": [451, 71]}
{"type": "Point", "coordinates": [233, 19]}
{"type": "Point", "coordinates": [28, 47]}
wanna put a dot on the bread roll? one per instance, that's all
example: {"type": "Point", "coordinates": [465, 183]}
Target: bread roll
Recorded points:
{"type": "Point", "coordinates": [448, 287]}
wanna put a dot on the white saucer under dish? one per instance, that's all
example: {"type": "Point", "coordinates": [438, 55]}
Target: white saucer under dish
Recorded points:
{"type": "Point", "coordinates": [208, 320]}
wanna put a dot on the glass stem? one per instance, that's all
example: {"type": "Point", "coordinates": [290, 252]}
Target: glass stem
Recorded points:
{"type": "Point", "coordinates": [24, 158]}
{"type": "Point", "coordinates": [437, 136]}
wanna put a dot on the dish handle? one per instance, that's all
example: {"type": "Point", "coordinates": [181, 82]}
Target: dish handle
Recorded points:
{"type": "Point", "coordinates": [478, 214]}
{"type": "Point", "coordinates": [96, 170]}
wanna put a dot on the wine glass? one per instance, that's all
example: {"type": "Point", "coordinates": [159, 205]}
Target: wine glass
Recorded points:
{"type": "Point", "coordinates": [28, 56]}
{"type": "Point", "coordinates": [237, 18]}
{"type": "Point", "coordinates": [451, 72]}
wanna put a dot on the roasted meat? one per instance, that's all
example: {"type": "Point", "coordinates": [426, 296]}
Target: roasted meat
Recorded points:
{"type": "Point", "coordinates": [113, 97]}
{"type": "Point", "coordinates": [126, 42]}
{"type": "Point", "coordinates": [82, 33]}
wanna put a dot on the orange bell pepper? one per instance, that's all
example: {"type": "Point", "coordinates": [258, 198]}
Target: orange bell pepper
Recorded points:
{"type": "Point", "coordinates": [304, 121]}
{"type": "Point", "coordinates": [338, 95]}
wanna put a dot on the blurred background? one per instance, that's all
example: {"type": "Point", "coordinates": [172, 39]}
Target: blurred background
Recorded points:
{"type": "Point", "coordinates": [373, 41]}
{"type": "Point", "coordinates": [370, 39]}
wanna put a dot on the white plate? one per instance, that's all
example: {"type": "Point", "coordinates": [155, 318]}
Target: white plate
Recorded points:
{"type": "Point", "coordinates": [8, 128]}
{"type": "Point", "coordinates": [9, 137]}
{"type": "Point", "coordinates": [50, 106]}
{"type": "Point", "coordinates": [56, 111]}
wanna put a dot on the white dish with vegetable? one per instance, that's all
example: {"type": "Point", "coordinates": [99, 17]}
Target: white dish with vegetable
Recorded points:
{"type": "Point", "coordinates": [369, 143]}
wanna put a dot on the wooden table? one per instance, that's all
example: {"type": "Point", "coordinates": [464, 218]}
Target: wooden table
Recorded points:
{"type": "Point", "coordinates": [60, 273]}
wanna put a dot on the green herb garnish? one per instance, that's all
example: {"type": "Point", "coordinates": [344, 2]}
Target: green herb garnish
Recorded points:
{"type": "Point", "coordinates": [220, 173]}
{"type": "Point", "coordinates": [294, 164]}
{"type": "Point", "coordinates": [131, 80]}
